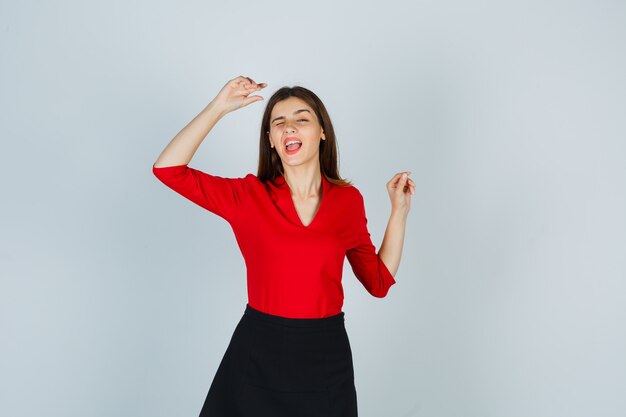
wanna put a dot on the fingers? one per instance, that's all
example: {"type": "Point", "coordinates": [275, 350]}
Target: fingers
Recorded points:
{"type": "Point", "coordinates": [407, 183]}
{"type": "Point", "coordinates": [402, 179]}
{"type": "Point", "coordinates": [251, 99]}
{"type": "Point", "coordinates": [245, 86]}
{"type": "Point", "coordinates": [248, 83]}
{"type": "Point", "coordinates": [398, 177]}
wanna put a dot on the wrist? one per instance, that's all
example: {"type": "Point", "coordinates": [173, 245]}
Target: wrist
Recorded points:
{"type": "Point", "coordinates": [399, 213]}
{"type": "Point", "coordinates": [215, 109]}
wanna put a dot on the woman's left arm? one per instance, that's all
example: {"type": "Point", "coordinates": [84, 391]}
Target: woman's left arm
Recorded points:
{"type": "Point", "coordinates": [400, 189]}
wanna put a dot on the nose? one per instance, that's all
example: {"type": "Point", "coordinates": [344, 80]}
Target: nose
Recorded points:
{"type": "Point", "coordinates": [289, 128]}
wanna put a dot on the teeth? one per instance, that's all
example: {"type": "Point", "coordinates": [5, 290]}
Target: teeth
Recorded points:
{"type": "Point", "coordinates": [292, 141]}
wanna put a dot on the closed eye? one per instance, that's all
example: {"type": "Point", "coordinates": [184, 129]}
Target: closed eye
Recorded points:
{"type": "Point", "coordinates": [299, 120]}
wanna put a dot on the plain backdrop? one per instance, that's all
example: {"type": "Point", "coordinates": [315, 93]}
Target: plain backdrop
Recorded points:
{"type": "Point", "coordinates": [118, 297]}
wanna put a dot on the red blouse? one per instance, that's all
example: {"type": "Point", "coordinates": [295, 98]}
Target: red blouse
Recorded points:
{"type": "Point", "coordinates": [292, 270]}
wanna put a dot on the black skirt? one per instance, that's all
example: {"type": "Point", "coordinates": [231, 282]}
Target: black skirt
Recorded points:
{"type": "Point", "coordinates": [284, 367]}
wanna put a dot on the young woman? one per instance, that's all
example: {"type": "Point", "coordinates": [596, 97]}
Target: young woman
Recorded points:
{"type": "Point", "coordinates": [295, 223]}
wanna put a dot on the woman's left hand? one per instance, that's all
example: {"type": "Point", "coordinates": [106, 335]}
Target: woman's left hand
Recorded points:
{"type": "Point", "coordinates": [400, 189]}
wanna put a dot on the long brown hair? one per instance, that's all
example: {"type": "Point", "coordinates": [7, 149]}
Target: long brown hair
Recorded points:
{"type": "Point", "coordinates": [270, 164]}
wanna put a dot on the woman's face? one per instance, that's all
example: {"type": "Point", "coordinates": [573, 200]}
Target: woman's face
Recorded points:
{"type": "Point", "coordinates": [293, 119]}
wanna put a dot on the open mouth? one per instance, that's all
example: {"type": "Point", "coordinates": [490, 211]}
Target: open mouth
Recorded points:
{"type": "Point", "coordinates": [292, 146]}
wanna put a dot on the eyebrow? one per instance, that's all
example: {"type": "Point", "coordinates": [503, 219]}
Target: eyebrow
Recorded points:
{"type": "Point", "coordinates": [295, 112]}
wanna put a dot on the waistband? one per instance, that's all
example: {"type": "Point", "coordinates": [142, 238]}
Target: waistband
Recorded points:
{"type": "Point", "coordinates": [337, 319]}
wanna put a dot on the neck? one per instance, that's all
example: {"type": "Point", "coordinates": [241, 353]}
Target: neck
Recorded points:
{"type": "Point", "coordinates": [304, 182]}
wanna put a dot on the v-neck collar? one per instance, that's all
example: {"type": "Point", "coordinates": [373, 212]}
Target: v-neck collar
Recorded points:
{"type": "Point", "coordinates": [285, 201]}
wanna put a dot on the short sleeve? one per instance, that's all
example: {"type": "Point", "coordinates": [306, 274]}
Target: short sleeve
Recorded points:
{"type": "Point", "coordinates": [219, 195]}
{"type": "Point", "coordinates": [365, 262]}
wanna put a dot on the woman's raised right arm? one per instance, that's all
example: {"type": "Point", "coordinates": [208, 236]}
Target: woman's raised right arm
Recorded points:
{"type": "Point", "coordinates": [222, 196]}
{"type": "Point", "coordinates": [234, 95]}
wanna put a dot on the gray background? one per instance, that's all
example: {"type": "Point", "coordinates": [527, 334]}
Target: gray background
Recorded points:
{"type": "Point", "coordinates": [118, 297]}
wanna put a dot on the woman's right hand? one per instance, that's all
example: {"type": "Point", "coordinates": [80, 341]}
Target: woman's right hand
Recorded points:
{"type": "Point", "coordinates": [235, 94]}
